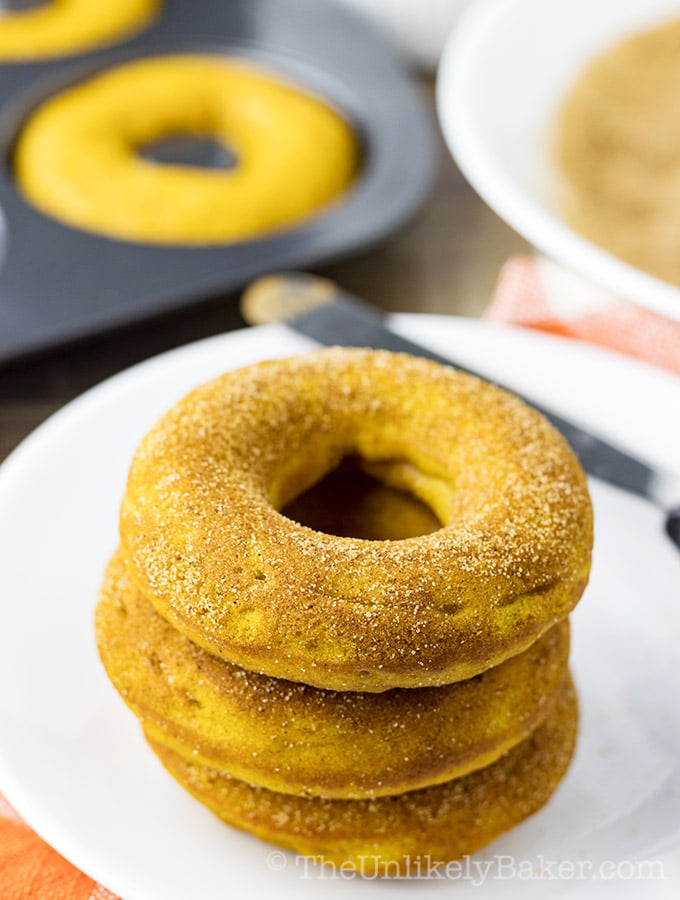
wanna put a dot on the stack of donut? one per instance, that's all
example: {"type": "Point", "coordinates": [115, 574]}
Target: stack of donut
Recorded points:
{"type": "Point", "coordinates": [367, 702]}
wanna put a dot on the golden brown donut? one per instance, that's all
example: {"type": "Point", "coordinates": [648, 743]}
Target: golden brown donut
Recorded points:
{"type": "Point", "coordinates": [392, 835]}
{"type": "Point", "coordinates": [297, 739]}
{"type": "Point", "coordinates": [205, 541]}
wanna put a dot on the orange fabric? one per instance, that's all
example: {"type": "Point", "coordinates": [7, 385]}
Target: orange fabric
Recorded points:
{"type": "Point", "coordinates": [527, 294]}
{"type": "Point", "coordinates": [31, 870]}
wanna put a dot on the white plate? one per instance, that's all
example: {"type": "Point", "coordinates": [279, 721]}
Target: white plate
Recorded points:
{"type": "Point", "coordinates": [502, 77]}
{"type": "Point", "coordinates": [72, 758]}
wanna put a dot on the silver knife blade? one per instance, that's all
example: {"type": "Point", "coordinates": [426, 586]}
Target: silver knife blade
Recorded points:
{"type": "Point", "coordinates": [327, 314]}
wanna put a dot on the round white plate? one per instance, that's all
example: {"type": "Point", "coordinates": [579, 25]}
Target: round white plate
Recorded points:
{"type": "Point", "coordinates": [502, 77]}
{"type": "Point", "coordinates": [72, 758]}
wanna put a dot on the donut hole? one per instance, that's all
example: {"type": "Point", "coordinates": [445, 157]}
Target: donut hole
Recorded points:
{"type": "Point", "coordinates": [350, 502]}
{"type": "Point", "coordinates": [190, 150]}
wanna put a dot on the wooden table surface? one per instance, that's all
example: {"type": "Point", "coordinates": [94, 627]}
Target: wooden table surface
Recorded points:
{"type": "Point", "coordinates": [444, 261]}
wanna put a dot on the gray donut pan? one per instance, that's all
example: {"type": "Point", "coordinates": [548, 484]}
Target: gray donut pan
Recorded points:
{"type": "Point", "coordinates": [59, 284]}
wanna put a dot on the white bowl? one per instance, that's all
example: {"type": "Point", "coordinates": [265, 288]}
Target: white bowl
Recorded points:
{"type": "Point", "coordinates": [502, 77]}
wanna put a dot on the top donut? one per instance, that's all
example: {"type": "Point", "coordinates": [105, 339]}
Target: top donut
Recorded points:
{"type": "Point", "coordinates": [205, 541]}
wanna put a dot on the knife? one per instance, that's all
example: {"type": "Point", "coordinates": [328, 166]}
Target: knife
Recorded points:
{"type": "Point", "coordinates": [319, 309]}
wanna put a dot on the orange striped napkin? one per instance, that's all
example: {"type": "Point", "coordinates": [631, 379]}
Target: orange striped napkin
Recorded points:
{"type": "Point", "coordinates": [537, 293]}
{"type": "Point", "coordinates": [531, 291]}
{"type": "Point", "coordinates": [31, 870]}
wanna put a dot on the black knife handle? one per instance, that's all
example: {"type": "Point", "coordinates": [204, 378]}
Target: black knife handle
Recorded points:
{"type": "Point", "coordinates": [673, 525]}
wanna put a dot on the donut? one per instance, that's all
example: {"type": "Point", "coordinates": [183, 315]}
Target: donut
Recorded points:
{"type": "Point", "coordinates": [78, 157]}
{"type": "Point", "coordinates": [297, 739]}
{"type": "Point", "coordinates": [205, 540]}
{"type": "Point", "coordinates": [391, 836]}
{"type": "Point", "coordinates": [63, 27]}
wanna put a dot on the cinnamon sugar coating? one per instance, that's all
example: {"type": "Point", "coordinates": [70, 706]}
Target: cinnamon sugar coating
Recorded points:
{"type": "Point", "coordinates": [297, 739]}
{"type": "Point", "coordinates": [391, 835]}
{"type": "Point", "coordinates": [205, 541]}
